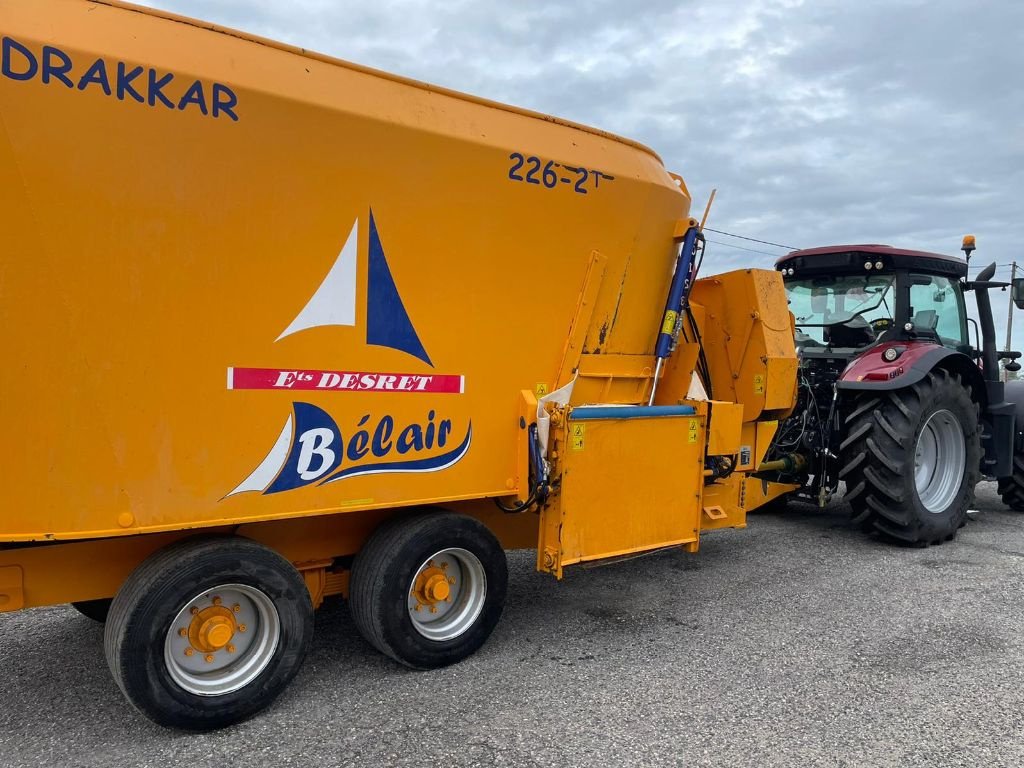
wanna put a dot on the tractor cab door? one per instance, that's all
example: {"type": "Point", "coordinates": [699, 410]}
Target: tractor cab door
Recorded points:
{"type": "Point", "coordinates": [936, 306]}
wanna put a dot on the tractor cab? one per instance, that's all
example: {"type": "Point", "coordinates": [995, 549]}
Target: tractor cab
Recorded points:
{"type": "Point", "coordinates": [895, 404]}
{"type": "Point", "coordinates": [846, 299]}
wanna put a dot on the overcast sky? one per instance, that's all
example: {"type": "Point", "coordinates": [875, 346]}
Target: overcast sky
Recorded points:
{"type": "Point", "coordinates": [819, 122]}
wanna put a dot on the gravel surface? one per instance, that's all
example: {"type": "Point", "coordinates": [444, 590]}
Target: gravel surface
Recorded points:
{"type": "Point", "coordinates": [796, 642]}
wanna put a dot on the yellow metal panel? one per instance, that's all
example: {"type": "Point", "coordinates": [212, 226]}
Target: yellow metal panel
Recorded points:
{"type": "Point", "coordinates": [610, 378]}
{"type": "Point", "coordinates": [628, 485]}
{"type": "Point", "coordinates": [574, 345]}
{"type": "Point", "coordinates": [759, 492]}
{"type": "Point", "coordinates": [725, 429]}
{"type": "Point", "coordinates": [748, 340]}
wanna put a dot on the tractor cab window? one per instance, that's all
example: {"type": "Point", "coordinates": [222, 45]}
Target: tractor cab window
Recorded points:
{"type": "Point", "coordinates": [937, 306]}
{"type": "Point", "coordinates": [845, 311]}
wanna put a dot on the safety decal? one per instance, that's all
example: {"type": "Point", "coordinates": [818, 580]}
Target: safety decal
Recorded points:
{"type": "Point", "coordinates": [579, 436]}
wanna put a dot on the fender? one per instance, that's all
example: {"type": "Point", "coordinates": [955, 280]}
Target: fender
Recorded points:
{"type": "Point", "coordinates": [871, 371]}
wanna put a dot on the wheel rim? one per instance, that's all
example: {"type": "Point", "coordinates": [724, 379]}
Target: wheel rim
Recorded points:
{"type": "Point", "coordinates": [447, 594]}
{"type": "Point", "coordinates": [222, 639]}
{"type": "Point", "coordinates": [939, 461]}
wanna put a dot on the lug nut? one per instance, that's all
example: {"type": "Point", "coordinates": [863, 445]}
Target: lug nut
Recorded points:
{"type": "Point", "coordinates": [217, 601]}
{"type": "Point", "coordinates": [193, 610]}
{"type": "Point", "coordinates": [182, 632]}
{"type": "Point", "coordinates": [451, 579]}
{"type": "Point", "coordinates": [189, 652]}
{"type": "Point", "coordinates": [236, 608]}
{"type": "Point", "coordinates": [241, 627]}
{"type": "Point", "coordinates": [433, 609]}
{"type": "Point", "coordinates": [231, 648]}
{"type": "Point", "coordinates": [209, 658]}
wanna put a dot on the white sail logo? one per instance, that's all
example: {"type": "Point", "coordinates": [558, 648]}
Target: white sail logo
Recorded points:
{"type": "Point", "coordinates": [334, 302]}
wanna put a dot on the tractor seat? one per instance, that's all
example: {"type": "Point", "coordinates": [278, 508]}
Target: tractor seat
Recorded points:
{"type": "Point", "coordinates": [926, 319]}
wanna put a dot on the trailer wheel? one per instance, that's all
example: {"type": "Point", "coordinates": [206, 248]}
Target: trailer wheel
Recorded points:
{"type": "Point", "coordinates": [206, 633]}
{"type": "Point", "coordinates": [96, 610]}
{"type": "Point", "coordinates": [428, 590]}
{"type": "Point", "coordinates": [911, 459]}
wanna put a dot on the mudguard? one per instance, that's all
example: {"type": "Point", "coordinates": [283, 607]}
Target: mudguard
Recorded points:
{"type": "Point", "coordinates": [871, 371]}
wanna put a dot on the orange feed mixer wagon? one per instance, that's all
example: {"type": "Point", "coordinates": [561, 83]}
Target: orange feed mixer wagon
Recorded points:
{"type": "Point", "coordinates": [278, 327]}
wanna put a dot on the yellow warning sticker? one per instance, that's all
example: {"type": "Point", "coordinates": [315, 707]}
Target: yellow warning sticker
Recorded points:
{"type": "Point", "coordinates": [669, 323]}
{"type": "Point", "coordinates": [758, 383]}
{"type": "Point", "coordinates": [692, 431]}
{"type": "Point", "coordinates": [540, 389]}
{"type": "Point", "coordinates": [578, 433]}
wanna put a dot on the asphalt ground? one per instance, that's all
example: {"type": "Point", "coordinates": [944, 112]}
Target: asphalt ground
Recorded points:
{"type": "Point", "coordinates": [796, 642]}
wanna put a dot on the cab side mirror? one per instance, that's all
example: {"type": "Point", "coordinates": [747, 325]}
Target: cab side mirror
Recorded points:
{"type": "Point", "coordinates": [1017, 292]}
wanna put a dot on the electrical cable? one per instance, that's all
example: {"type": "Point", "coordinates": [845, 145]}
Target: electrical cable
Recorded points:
{"type": "Point", "coordinates": [752, 239]}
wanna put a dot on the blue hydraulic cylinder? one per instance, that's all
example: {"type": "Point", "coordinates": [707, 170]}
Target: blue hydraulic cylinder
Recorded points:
{"type": "Point", "coordinates": [677, 294]}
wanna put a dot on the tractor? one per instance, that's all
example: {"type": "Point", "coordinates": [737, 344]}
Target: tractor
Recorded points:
{"type": "Point", "coordinates": [894, 399]}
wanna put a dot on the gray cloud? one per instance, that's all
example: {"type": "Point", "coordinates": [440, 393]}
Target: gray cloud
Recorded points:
{"type": "Point", "coordinates": [819, 122]}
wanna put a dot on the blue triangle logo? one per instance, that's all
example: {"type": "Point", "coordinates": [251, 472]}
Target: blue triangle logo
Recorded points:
{"type": "Point", "coordinates": [387, 322]}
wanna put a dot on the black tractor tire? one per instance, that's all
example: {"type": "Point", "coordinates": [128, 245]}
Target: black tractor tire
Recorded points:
{"type": "Point", "coordinates": [96, 610]}
{"type": "Point", "coordinates": [385, 573]}
{"type": "Point", "coordinates": [162, 595]}
{"type": "Point", "coordinates": [878, 459]}
{"type": "Point", "coordinates": [1011, 489]}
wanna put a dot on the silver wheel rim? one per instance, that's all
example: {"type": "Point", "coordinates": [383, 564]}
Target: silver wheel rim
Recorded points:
{"type": "Point", "coordinates": [939, 461]}
{"type": "Point", "coordinates": [203, 658]}
{"type": "Point", "coordinates": [447, 594]}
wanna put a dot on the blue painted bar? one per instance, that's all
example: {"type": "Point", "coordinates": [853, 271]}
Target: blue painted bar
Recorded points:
{"type": "Point", "coordinates": [588, 412]}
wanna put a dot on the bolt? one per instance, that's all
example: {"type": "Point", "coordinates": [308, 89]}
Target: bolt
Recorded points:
{"type": "Point", "coordinates": [236, 608]}
{"type": "Point", "coordinates": [209, 658]}
{"type": "Point", "coordinates": [182, 632]}
{"type": "Point", "coordinates": [217, 601]}
{"type": "Point", "coordinates": [189, 652]}
{"type": "Point", "coordinates": [241, 627]}
{"type": "Point", "coordinates": [231, 648]}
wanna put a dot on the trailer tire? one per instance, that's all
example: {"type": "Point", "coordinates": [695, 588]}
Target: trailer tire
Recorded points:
{"type": "Point", "coordinates": [896, 441]}
{"type": "Point", "coordinates": [1011, 489]}
{"type": "Point", "coordinates": [193, 593]}
{"type": "Point", "coordinates": [97, 610]}
{"type": "Point", "coordinates": [401, 565]}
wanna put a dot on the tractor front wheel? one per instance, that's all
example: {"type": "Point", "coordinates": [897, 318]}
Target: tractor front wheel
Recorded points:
{"type": "Point", "coordinates": [911, 459]}
{"type": "Point", "coordinates": [1011, 489]}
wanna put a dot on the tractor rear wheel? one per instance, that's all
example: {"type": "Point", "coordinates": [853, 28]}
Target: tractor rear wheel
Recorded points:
{"type": "Point", "coordinates": [911, 459]}
{"type": "Point", "coordinates": [1011, 489]}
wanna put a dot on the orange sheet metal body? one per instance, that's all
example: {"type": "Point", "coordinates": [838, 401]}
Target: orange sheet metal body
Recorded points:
{"type": "Point", "coordinates": [255, 290]}
{"type": "Point", "coordinates": [323, 294]}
